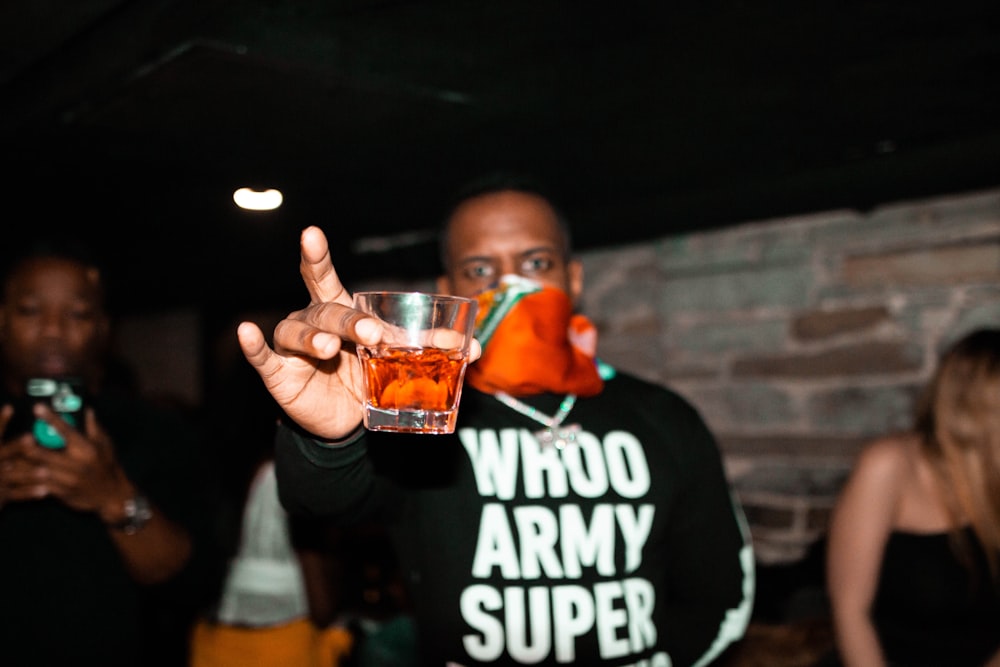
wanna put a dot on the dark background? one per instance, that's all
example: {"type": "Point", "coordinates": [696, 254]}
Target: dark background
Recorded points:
{"type": "Point", "coordinates": [134, 121]}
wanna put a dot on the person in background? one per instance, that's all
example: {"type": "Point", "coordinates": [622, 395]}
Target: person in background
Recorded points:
{"type": "Point", "coordinates": [373, 605]}
{"type": "Point", "coordinates": [279, 594]}
{"type": "Point", "coordinates": [276, 604]}
{"type": "Point", "coordinates": [610, 536]}
{"type": "Point", "coordinates": [913, 560]}
{"type": "Point", "coordinates": [103, 514]}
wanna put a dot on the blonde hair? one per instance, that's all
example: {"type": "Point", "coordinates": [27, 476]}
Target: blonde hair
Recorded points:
{"type": "Point", "coordinates": [958, 418]}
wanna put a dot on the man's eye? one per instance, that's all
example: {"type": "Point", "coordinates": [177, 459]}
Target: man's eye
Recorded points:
{"type": "Point", "coordinates": [536, 265]}
{"type": "Point", "coordinates": [479, 271]}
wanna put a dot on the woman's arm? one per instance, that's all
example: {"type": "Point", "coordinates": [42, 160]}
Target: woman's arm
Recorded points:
{"type": "Point", "coordinates": [859, 528]}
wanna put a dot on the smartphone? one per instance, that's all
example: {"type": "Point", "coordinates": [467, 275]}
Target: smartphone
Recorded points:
{"type": "Point", "coordinates": [64, 396]}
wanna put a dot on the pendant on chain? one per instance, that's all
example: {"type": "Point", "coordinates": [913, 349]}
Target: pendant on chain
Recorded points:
{"type": "Point", "coordinates": [558, 437]}
{"type": "Point", "coordinates": [555, 434]}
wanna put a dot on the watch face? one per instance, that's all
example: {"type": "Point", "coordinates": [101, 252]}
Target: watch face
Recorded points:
{"type": "Point", "coordinates": [137, 514]}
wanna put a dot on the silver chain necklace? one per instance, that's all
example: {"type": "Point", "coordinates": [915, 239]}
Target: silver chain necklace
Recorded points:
{"type": "Point", "coordinates": [554, 433]}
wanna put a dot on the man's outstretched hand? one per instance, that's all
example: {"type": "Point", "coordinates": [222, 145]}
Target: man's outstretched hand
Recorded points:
{"type": "Point", "coordinates": [313, 371]}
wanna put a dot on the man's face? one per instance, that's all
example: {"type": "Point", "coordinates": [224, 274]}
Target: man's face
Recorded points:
{"type": "Point", "coordinates": [52, 322]}
{"type": "Point", "coordinates": [507, 233]}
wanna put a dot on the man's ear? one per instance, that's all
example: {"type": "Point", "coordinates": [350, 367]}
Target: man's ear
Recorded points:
{"type": "Point", "coordinates": [575, 270]}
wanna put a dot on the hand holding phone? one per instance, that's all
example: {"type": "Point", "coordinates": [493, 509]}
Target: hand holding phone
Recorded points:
{"type": "Point", "coordinates": [66, 398]}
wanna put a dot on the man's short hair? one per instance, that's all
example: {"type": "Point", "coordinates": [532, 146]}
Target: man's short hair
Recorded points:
{"type": "Point", "coordinates": [71, 248]}
{"type": "Point", "coordinates": [500, 181]}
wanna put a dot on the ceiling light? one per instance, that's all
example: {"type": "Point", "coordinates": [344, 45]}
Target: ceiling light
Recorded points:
{"type": "Point", "coordinates": [257, 200]}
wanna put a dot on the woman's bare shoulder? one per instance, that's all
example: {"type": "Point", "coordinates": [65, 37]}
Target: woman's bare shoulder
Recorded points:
{"type": "Point", "coordinates": [889, 456]}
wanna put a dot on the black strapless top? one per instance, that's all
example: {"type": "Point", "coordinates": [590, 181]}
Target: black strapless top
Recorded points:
{"type": "Point", "coordinates": [930, 610]}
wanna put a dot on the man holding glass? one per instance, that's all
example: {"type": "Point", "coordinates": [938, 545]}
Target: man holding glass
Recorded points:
{"type": "Point", "coordinates": [576, 515]}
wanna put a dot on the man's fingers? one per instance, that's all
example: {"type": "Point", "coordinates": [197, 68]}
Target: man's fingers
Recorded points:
{"type": "Point", "coordinates": [317, 270]}
{"type": "Point", "coordinates": [341, 320]}
{"type": "Point", "coordinates": [6, 412]}
{"type": "Point", "coordinates": [292, 337]}
{"type": "Point", "coordinates": [252, 342]}
{"type": "Point", "coordinates": [256, 350]}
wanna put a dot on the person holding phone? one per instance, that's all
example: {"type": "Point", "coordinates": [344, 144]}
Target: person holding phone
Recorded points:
{"type": "Point", "coordinates": [102, 497]}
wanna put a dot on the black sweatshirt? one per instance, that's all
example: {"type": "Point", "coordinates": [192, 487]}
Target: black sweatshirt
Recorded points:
{"type": "Point", "coordinates": [625, 548]}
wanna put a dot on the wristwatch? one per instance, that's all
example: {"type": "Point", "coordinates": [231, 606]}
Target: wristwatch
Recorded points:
{"type": "Point", "coordinates": [137, 514]}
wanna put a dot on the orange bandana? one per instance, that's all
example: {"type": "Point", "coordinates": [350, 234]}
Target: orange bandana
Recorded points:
{"type": "Point", "coordinates": [539, 346]}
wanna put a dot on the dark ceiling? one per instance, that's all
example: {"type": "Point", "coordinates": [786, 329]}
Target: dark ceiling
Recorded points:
{"type": "Point", "coordinates": [136, 119]}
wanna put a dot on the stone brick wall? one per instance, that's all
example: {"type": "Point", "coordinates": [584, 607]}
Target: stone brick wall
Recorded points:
{"type": "Point", "coordinates": [799, 339]}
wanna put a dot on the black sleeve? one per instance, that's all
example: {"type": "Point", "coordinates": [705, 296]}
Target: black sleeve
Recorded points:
{"type": "Point", "coordinates": [317, 479]}
{"type": "Point", "coordinates": [713, 592]}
